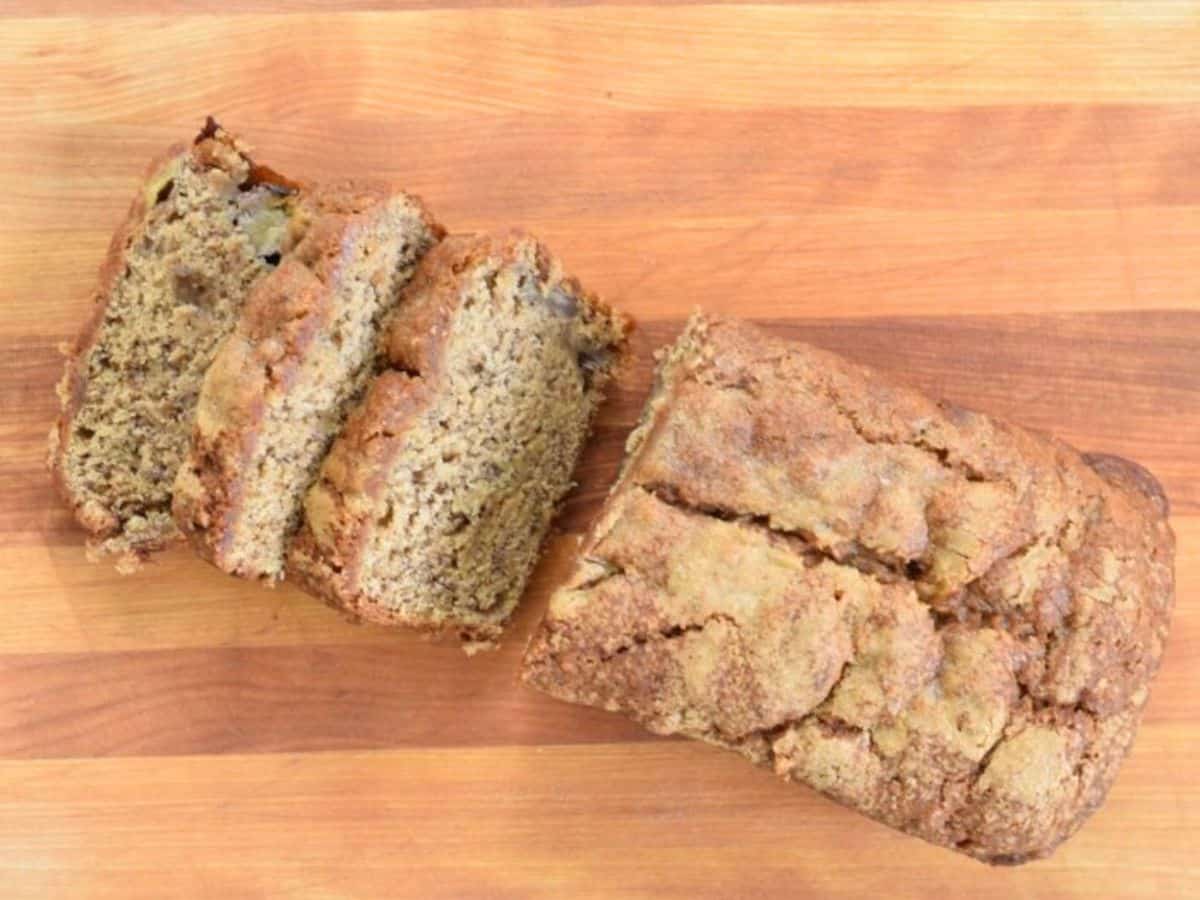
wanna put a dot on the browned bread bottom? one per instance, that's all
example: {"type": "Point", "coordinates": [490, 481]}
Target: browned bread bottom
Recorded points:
{"type": "Point", "coordinates": [944, 621]}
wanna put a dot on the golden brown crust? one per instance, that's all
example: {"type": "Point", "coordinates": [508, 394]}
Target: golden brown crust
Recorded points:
{"type": "Point", "coordinates": [947, 622]}
{"type": "Point", "coordinates": [282, 319]}
{"type": "Point", "coordinates": [327, 554]}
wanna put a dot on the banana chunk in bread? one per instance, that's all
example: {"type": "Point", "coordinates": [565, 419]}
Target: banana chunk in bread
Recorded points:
{"type": "Point", "coordinates": [946, 622]}
{"type": "Point", "coordinates": [206, 226]}
{"type": "Point", "coordinates": [281, 384]}
{"type": "Point", "coordinates": [432, 504]}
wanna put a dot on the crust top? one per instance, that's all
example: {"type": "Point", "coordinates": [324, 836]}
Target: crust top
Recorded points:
{"type": "Point", "coordinates": [945, 621]}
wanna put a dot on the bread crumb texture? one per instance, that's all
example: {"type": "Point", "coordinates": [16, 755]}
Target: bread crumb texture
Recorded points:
{"type": "Point", "coordinates": [946, 622]}
{"type": "Point", "coordinates": [282, 384]}
{"type": "Point", "coordinates": [205, 227]}
{"type": "Point", "coordinates": [433, 502]}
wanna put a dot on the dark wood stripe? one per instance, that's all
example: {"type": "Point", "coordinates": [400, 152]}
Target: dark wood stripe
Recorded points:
{"type": "Point", "coordinates": [410, 693]}
{"type": "Point", "coordinates": [1123, 382]}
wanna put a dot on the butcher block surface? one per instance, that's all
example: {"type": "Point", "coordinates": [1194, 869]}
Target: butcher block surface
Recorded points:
{"type": "Point", "coordinates": [996, 201]}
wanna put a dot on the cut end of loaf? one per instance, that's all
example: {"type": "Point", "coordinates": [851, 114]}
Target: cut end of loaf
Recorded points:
{"type": "Point", "coordinates": [202, 230]}
{"type": "Point", "coordinates": [433, 503]}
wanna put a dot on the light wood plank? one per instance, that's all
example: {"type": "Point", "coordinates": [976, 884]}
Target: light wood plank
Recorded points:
{"type": "Point", "coordinates": [661, 819]}
{"type": "Point", "coordinates": [614, 163]}
{"type": "Point", "coordinates": [1123, 383]}
{"type": "Point", "coordinates": [114, 8]}
{"type": "Point", "coordinates": [464, 62]}
{"type": "Point", "coordinates": [71, 606]}
{"type": "Point", "coordinates": [844, 263]}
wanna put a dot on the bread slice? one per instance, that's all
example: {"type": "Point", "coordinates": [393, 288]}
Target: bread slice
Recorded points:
{"type": "Point", "coordinates": [279, 387]}
{"type": "Point", "coordinates": [207, 224]}
{"type": "Point", "coordinates": [944, 621]}
{"type": "Point", "coordinates": [431, 506]}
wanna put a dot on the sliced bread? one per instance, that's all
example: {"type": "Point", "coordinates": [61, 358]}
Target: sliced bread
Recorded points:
{"type": "Point", "coordinates": [279, 388]}
{"type": "Point", "coordinates": [207, 224]}
{"type": "Point", "coordinates": [433, 502]}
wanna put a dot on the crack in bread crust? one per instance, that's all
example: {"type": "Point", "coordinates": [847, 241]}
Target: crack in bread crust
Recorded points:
{"type": "Point", "coordinates": [944, 621]}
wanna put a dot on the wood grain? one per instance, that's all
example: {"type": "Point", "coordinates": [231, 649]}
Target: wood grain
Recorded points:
{"type": "Point", "coordinates": [361, 65]}
{"type": "Point", "coordinates": [596, 821]}
{"type": "Point", "coordinates": [997, 201]}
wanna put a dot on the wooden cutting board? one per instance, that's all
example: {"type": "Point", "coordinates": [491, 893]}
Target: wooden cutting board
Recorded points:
{"type": "Point", "coordinates": [998, 201]}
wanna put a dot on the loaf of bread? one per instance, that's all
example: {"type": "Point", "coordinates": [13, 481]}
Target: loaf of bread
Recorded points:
{"type": "Point", "coordinates": [946, 622]}
{"type": "Point", "coordinates": [280, 386]}
{"type": "Point", "coordinates": [433, 502]}
{"type": "Point", "coordinates": [207, 224]}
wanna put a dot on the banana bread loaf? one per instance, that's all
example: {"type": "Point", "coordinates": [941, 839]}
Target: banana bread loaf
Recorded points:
{"type": "Point", "coordinates": [280, 386]}
{"type": "Point", "coordinates": [207, 224]}
{"type": "Point", "coordinates": [433, 502]}
{"type": "Point", "coordinates": [944, 621]}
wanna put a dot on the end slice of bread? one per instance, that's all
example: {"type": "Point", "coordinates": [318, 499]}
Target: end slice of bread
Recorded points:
{"type": "Point", "coordinates": [433, 502]}
{"type": "Point", "coordinates": [207, 224]}
{"type": "Point", "coordinates": [280, 386]}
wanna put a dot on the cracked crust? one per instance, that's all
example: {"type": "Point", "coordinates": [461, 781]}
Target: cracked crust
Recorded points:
{"type": "Point", "coordinates": [946, 622]}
